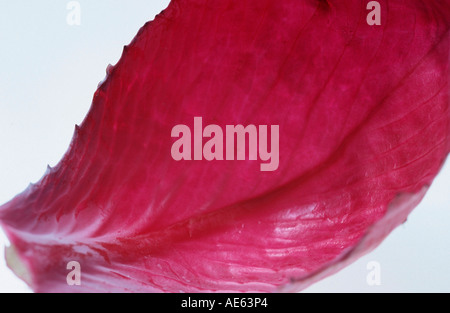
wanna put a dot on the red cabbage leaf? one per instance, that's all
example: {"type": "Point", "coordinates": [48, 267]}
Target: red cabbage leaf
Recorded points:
{"type": "Point", "coordinates": [364, 129]}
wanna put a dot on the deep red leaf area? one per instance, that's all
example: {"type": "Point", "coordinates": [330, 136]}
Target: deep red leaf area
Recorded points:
{"type": "Point", "coordinates": [364, 129]}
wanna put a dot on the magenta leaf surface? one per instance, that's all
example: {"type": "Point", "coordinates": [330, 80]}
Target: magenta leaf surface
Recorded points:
{"type": "Point", "coordinates": [364, 125]}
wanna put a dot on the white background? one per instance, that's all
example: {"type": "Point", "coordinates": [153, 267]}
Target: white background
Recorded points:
{"type": "Point", "coordinates": [49, 73]}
